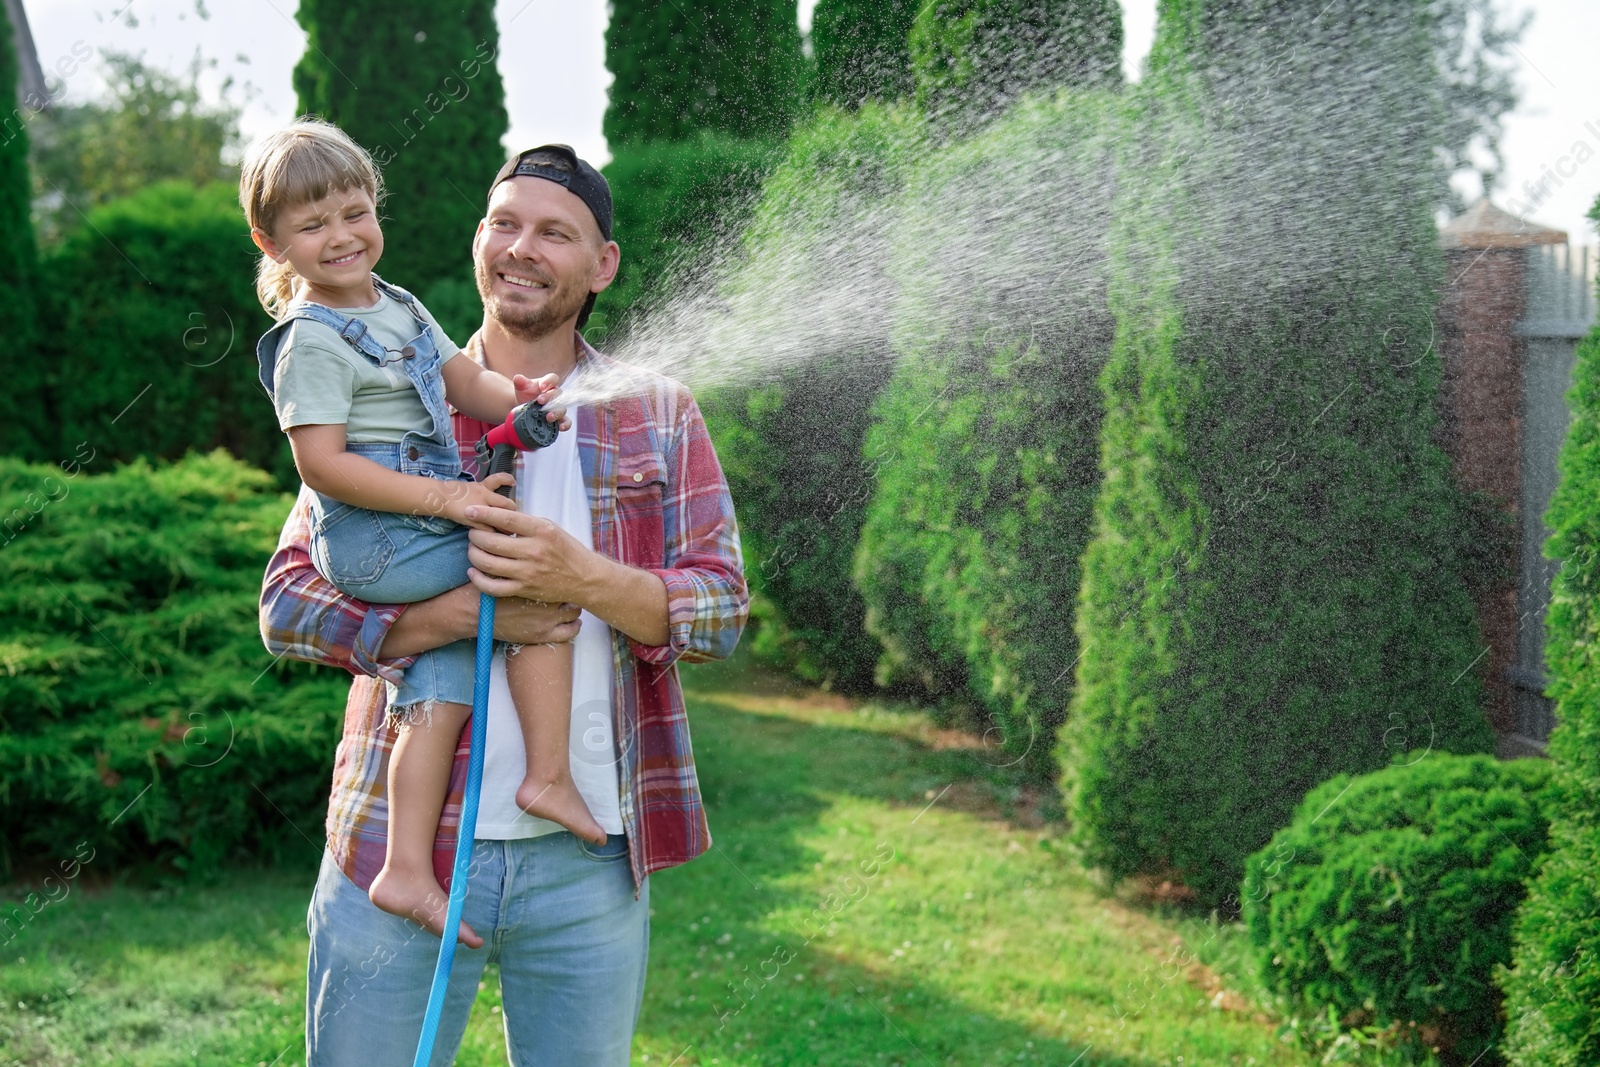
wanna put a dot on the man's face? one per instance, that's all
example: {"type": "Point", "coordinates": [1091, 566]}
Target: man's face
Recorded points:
{"type": "Point", "coordinates": [537, 256]}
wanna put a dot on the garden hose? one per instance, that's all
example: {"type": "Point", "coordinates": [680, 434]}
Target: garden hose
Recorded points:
{"type": "Point", "coordinates": [525, 429]}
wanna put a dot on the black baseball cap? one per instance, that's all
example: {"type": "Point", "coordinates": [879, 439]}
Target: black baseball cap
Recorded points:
{"type": "Point", "coordinates": [560, 164]}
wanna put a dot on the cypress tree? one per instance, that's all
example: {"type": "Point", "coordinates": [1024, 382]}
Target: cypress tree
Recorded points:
{"type": "Point", "coordinates": [1553, 994]}
{"type": "Point", "coordinates": [416, 84]}
{"type": "Point", "coordinates": [977, 56]}
{"type": "Point", "coordinates": [696, 65]}
{"type": "Point", "coordinates": [863, 50]}
{"type": "Point", "coordinates": [20, 407]}
{"type": "Point", "coordinates": [1278, 586]}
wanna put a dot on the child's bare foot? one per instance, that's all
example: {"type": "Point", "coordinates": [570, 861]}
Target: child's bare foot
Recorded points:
{"type": "Point", "coordinates": [419, 898]}
{"type": "Point", "coordinates": [560, 802]}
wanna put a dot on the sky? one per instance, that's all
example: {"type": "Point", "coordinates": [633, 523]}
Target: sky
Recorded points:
{"type": "Point", "coordinates": [552, 60]}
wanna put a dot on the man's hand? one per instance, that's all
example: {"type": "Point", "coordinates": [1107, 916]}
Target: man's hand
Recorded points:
{"type": "Point", "coordinates": [528, 622]}
{"type": "Point", "coordinates": [514, 554]}
{"type": "Point", "coordinates": [534, 558]}
{"type": "Point", "coordinates": [453, 616]}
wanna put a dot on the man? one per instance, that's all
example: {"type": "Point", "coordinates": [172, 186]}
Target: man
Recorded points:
{"type": "Point", "coordinates": [626, 520]}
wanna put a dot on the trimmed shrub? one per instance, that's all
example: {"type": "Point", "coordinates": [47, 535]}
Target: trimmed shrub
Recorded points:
{"type": "Point", "coordinates": [792, 448]}
{"type": "Point", "coordinates": [984, 444]}
{"type": "Point", "coordinates": [863, 50]}
{"type": "Point", "coordinates": [696, 65]}
{"type": "Point", "coordinates": [1390, 895]}
{"type": "Point", "coordinates": [20, 421]}
{"type": "Point", "coordinates": [1553, 992]}
{"type": "Point", "coordinates": [415, 83]}
{"type": "Point", "coordinates": [1279, 585]}
{"type": "Point", "coordinates": [153, 351]}
{"type": "Point", "coordinates": [138, 710]}
{"type": "Point", "coordinates": [976, 57]}
{"type": "Point", "coordinates": [673, 201]}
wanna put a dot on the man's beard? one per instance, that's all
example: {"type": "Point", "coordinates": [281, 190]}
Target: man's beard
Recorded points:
{"type": "Point", "coordinates": [564, 301]}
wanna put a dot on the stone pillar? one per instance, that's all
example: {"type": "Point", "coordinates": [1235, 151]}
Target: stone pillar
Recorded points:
{"type": "Point", "coordinates": [1481, 404]}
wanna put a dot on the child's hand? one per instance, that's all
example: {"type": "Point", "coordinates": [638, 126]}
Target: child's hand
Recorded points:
{"type": "Point", "coordinates": [542, 390]}
{"type": "Point", "coordinates": [459, 496]}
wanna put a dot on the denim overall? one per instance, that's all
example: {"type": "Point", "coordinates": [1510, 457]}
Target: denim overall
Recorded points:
{"type": "Point", "coordinates": [386, 557]}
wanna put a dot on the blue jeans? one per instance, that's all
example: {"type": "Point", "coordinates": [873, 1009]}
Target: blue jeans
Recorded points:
{"type": "Point", "coordinates": [386, 557]}
{"type": "Point", "coordinates": [556, 913]}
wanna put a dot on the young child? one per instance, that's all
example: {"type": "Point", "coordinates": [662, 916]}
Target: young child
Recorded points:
{"type": "Point", "coordinates": [359, 373]}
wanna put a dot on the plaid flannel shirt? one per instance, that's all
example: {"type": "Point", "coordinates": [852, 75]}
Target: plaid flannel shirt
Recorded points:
{"type": "Point", "coordinates": [658, 501]}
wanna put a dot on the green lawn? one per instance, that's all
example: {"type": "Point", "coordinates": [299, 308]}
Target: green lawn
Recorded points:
{"type": "Point", "coordinates": [866, 897]}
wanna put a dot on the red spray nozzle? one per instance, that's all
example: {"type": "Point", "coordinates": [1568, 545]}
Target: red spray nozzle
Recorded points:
{"type": "Point", "coordinates": [524, 430]}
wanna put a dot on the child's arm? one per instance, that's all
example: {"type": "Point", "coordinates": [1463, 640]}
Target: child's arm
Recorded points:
{"type": "Point", "coordinates": [489, 397]}
{"type": "Point", "coordinates": [325, 466]}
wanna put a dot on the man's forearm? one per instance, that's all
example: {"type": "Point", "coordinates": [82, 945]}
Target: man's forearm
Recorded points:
{"type": "Point", "coordinates": [432, 623]}
{"type": "Point", "coordinates": [628, 599]}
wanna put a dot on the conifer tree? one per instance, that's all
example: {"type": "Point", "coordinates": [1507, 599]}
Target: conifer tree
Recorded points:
{"type": "Point", "coordinates": [1553, 992]}
{"type": "Point", "coordinates": [863, 50]}
{"type": "Point", "coordinates": [416, 84]}
{"type": "Point", "coordinates": [20, 406]}
{"type": "Point", "coordinates": [1279, 584]}
{"type": "Point", "coordinates": [695, 65]}
{"type": "Point", "coordinates": [977, 56]}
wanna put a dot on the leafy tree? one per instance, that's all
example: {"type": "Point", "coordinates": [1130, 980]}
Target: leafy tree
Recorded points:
{"type": "Point", "coordinates": [1553, 994]}
{"type": "Point", "coordinates": [153, 353]}
{"type": "Point", "coordinates": [416, 84]}
{"type": "Point", "coordinates": [152, 126]}
{"type": "Point", "coordinates": [863, 50]}
{"type": "Point", "coordinates": [1279, 584]}
{"type": "Point", "coordinates": [977, 56]}
{"type": "Point", "coordinates": [695, 65]}
{"type": "Point", "coordinates": [1473, 44]}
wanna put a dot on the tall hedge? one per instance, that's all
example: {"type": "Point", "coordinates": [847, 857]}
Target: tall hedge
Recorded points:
{"type": "Point", "coordinates": [139, 713]}
{"type": "Point", "coordinates": [984, 444]}
{"type": "Point", "coordinates": [975, 57]}
{"type": "Point", "coordinates": [862, 50]}
{"type": "Point", "coordinates": [675, 203]}
{"type": "Point", "coordinates": [153, 353]}
{"type": "Point", "coordinates": [697, 65]}
{"type": "Point", "coordinates": [810, 288]}
{"type": "Point", "coordinates": [1279, 584]}
{"type": "Point", "coordinates": [415, 83]}
{"type": "Point", "coordinates": [19, 422]}
{"type": "Point", "coordinates": [1553, 991]}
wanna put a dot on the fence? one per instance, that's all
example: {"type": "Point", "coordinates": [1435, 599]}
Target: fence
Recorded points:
{"type": "Point", "coordinates": [1559, 310]}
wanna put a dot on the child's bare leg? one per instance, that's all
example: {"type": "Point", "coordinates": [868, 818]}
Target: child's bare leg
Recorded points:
{"type": "Point", "coordinates": [540, 678]}
{"type": "Point", "coordinates": [419, 775]}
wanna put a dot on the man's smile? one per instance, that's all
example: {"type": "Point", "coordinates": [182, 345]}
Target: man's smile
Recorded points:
{"type": "Point", "coordinates": [523, 283]}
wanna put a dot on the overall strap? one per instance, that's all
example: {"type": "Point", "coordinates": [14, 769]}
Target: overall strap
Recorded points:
{"type": "Point", "coordinates": [411, 303]}
{"type": "Point", "coordinates": [351, 329]}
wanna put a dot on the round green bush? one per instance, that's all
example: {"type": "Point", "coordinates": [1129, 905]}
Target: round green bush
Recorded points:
{"type": "Point", "coordinates": [139, 712]}
{"type": "Point", "coordinates": [1390, 897]}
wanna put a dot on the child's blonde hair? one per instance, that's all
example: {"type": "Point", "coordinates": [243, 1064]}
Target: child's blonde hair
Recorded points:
{"type": "Point", "coordinates": [302, 162]}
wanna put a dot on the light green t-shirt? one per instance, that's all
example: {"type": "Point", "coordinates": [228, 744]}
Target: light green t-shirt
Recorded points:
{"type": "Point", "coordinates": [320, 378]}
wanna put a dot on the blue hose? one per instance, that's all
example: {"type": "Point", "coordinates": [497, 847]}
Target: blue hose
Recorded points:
{"type": "Point", "coordinates": [468, 829]}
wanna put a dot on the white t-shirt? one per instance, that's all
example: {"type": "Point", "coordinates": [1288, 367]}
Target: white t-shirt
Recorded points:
{"type": "Point", "coordinates": [550, 485]}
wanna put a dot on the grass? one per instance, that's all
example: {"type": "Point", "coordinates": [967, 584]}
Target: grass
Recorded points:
{"type": "Point", "coordinates": [878, 893]}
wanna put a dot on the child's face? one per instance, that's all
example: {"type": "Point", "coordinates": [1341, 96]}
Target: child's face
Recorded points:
{"type": "Point", "coordinates": [333, 243]}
